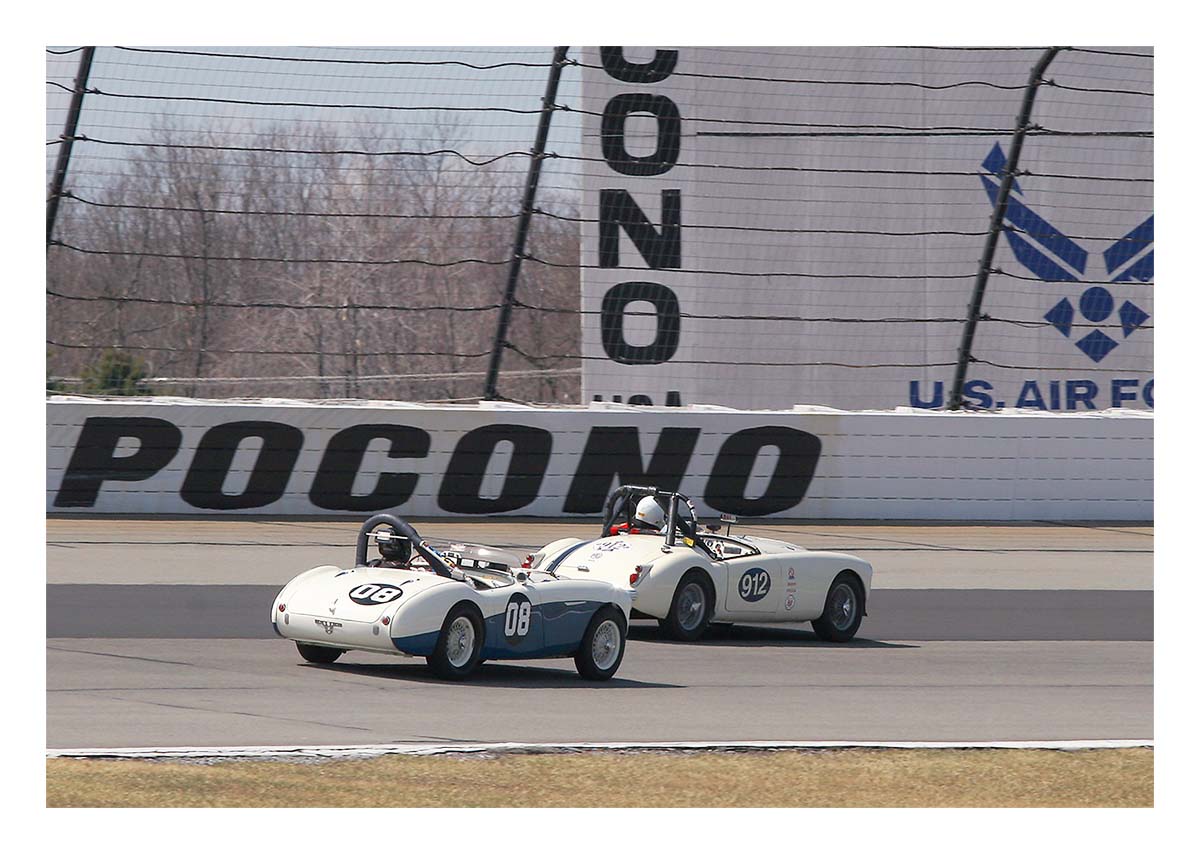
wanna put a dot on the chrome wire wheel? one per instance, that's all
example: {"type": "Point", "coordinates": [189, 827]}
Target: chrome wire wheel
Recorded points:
{"type": "Point", "coordinates": [460, 641]}
{"type": "Point", "coordinates": [689, 609]}
{"type": "Point", "coordinates": [843, 606]}
{"type": "Point", "coordinates": [606, 645]}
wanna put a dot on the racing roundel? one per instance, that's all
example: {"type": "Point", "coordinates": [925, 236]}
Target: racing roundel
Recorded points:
{"type": "Point", "coordinates": [518, 615]}
{"type": "Point", "coordinates": [754, 584]}
{"type": "Point", "coordinates": [375, 594]}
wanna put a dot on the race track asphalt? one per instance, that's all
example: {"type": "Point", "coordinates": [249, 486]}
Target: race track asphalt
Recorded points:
{"type": "Point", "coordinates": [144, 650]}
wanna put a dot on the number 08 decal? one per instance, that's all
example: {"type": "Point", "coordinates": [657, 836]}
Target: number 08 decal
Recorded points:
{"type": "Point", "coordinates": [375, 594]}
{"type": "Point", "coordinates": [754, 584]}
{"type": "Point", "coordinates": [518, 614]}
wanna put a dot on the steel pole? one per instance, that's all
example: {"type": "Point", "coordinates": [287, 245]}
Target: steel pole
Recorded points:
{"type": "Point", "coordinates": [997, 225]}
{"type": "Point", "coordinates": [531, 185]}
{"type": "Point", "coordinates": [68, 140]}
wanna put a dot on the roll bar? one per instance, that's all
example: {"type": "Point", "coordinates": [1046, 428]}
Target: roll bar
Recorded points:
{"type": "Point", "coordinates": [360, 550]}
{"type": "Point", "coordinates": [621, 492]}
{"type": "Point", "coordinates": [674, 521]}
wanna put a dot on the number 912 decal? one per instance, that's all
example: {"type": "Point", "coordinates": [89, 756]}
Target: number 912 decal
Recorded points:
{"type": "Point", "coordinates": [754, 584]}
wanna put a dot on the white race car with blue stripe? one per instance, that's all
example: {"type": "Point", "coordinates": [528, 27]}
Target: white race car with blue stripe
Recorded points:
{"type": "Point", "coordinates": [456, 608]}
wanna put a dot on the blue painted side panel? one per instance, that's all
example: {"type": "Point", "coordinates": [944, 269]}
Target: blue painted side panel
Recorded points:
{"type": "Point", "coordinates": [555, 628]}
{"type": "Point", "coordinates": [529, 645]}
{"type": "Point", "coordinates": [422, 644]}
{"type": "Point", "coordinates": [565, 624]}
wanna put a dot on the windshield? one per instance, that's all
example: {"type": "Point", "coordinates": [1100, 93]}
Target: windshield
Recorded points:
{"type": "Point", "coordinates": [479, 557]}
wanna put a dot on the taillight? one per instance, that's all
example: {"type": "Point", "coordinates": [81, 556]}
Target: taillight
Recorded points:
{"type": "Point", "coordinates": [636, 576]}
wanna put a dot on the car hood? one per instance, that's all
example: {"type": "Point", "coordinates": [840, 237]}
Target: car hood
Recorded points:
{"type": "Point", "coordinates": [769, 546]}
{"type": "Point", "coordinates": [610, 559]}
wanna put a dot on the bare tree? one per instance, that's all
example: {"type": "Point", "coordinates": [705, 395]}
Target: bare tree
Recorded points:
{"type": "Point", "coordinates": [262, 264]}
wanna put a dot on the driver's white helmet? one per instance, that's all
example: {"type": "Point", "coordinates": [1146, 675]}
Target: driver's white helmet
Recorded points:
{"type": "Point", "coordinates": [649, 513]}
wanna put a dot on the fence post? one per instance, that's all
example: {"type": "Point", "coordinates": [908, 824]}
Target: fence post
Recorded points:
{"type": "Point", "coordinates": [997, 225]}
{"type": "Point", "coordinates": [531, 185]}
{"type": "Point", "coordinates": [68, 140]}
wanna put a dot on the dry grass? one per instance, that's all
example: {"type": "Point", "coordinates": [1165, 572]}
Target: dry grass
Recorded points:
{"type": "Point", "coordinates": [858, 778]}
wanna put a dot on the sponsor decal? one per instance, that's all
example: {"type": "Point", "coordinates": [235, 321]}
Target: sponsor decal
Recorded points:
{"type": "Point", "coordinates": [789, 602]}
{"type": "Point", "coordinates": [791, 573]}
{"type": "Point", "coordinates": [754, 584]}
{"type": "Point", "coordinates": [1072, 314]}
{"type": "Point", "coordinates": [96, 461]}
{"type": "Point", "coordinates": [659, 247]}
{"type": "Point", "coordinates": [328, 625]}
{"type": "Point", "coordinates": [1058, 258]}
{"type": "Point", "coordinates": [607, 546]}
{"type": "Point", "coordinates": [375, 594]}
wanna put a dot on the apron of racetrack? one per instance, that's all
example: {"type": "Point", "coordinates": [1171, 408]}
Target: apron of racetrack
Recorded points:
{"type": "Point", "coordinates": [158, 636]}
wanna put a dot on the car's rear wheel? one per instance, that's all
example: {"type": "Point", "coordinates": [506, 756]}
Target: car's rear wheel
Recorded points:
{"type": "Point", "coordinates": [691, 607]}
{"type": "Point", "coordinates": [459, 645]}
{"type": "Point", "coordinates": [603, 645]}
{"type": "Point", "coordinates": [843, 612]}
{"type": "Point", "coordinates": [318, 654]}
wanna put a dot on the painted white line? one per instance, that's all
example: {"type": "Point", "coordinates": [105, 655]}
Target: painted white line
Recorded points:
{"type": "Point", "coordinates": [360, 751]}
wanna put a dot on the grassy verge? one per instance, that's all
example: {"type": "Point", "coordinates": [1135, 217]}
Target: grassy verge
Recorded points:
{"type": "Point", "coordinates": [858, 778]}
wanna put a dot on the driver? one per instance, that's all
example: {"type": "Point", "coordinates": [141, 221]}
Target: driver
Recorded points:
{"type": "Point", "coordinates": [647, 519]}
{"type": "Point", "coordinates": [394, 550]}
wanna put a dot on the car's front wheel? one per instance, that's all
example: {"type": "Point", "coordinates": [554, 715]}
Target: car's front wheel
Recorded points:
{"type": "Point", "coordinates": [460, 644]}
{"type": "Point", "coordinates": [603, 645]}
{"type": "Point", "coordinates": [691, 607]}
{"type": "Point", "coordinates": [318, 654]}
{"type": "Point", "coordinates": [844, 604]}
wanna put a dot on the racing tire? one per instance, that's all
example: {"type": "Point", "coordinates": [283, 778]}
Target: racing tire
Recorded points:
{"type": "Point", "coordinates": [318, 654]}
{"type": "Point", "coordinates": [459, 645]}
{"type": "Point", "coordinates": [844, 606]}
{"type": "Point", "coordinates": [691, 607]}
{"type": "Point", "coordinates": [603, 645]}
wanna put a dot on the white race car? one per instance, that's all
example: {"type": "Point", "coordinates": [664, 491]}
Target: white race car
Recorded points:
{"type": "Point", "coordinates": [456, 607]}
{"type": "Point", "coordinates": [687, 577]}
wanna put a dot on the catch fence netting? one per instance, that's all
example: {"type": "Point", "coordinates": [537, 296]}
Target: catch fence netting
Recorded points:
{"type": "Point", "coordinates": [339, 223]}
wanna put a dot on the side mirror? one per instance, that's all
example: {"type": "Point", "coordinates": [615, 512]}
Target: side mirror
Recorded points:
{"type": "Point", "coordinates": [522, 577]}
{"type": "Point", "coordinates": [728, 519]}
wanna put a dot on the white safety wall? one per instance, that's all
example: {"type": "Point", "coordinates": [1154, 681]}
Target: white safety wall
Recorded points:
{"type": "Point", "coordinates": [815, 186]}
{"type": "Point", "coordinates": [291, 458]}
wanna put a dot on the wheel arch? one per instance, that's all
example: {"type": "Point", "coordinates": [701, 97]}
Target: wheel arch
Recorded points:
{"type": "Point", "coordinates": [655, 594]}
{"type": "Point", "coordinates": [472, 606]}
{"type": "Point", "coordinates": [863, 588]}
{"type": "Point", "coordinates": [705, 574]}
{"type": "Point", "coordinates": [615, 608]}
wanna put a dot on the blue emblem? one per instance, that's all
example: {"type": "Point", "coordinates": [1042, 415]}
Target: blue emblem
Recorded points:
{"type": "Point", "coordinates": [1060, 259]}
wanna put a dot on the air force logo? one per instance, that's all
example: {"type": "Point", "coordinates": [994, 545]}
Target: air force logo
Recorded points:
{"type": "Point", "coordinates": [1058, 258]}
